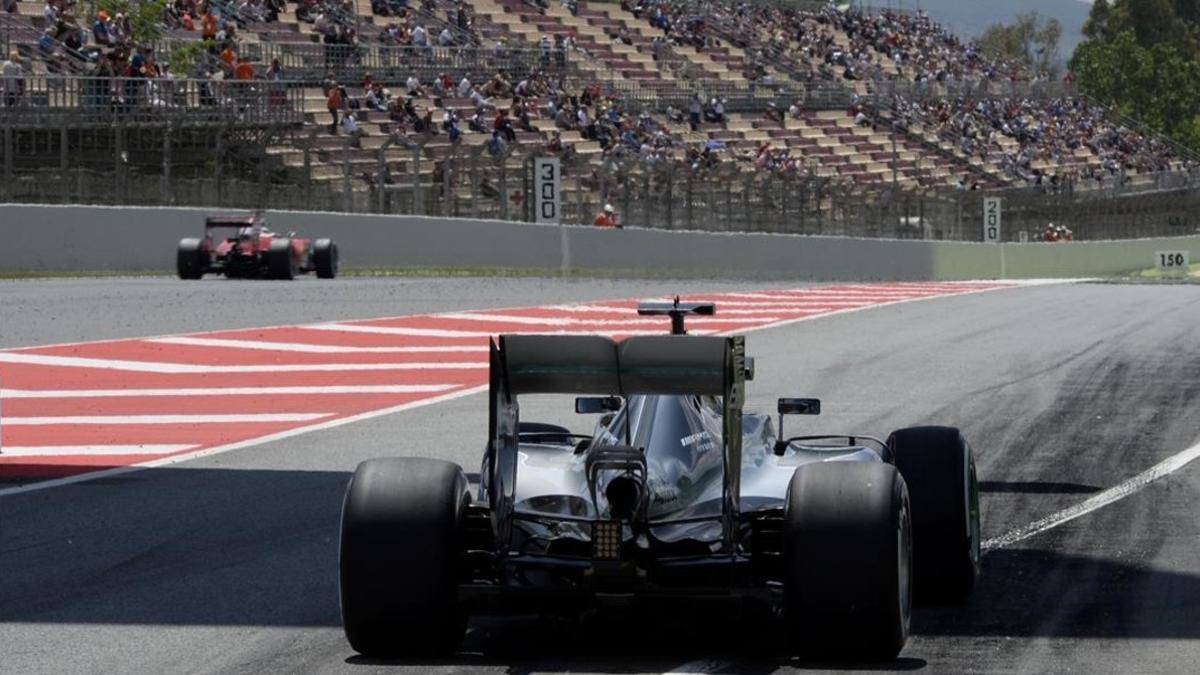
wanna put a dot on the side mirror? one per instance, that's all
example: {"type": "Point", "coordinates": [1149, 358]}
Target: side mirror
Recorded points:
{"type": "Point", "coordinates": [796, 406]}
{"type": "Point", "coordinates": [799, 406]}
{"type": "Point", "coordinates": [585, 405]}
{"type": "Point", "coordinates": [748, 371]}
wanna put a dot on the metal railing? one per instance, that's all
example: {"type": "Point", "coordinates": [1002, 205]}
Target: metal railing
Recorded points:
{"type": "Point", "coordinates": [46, 100]}
{"type": "Point", "coordinates": [311, 62]}
{"type": "Point", "coordinates": [429, 175]}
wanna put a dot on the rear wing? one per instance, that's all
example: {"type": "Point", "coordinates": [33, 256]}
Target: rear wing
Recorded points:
{"type": "Point", "coordinates": [591, 364]}
{"type": "Point", "coordinates": [213, 222]}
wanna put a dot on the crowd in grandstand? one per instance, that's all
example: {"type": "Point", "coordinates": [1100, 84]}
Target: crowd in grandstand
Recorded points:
{"type": "Point", "coordinates": [1029, 140]}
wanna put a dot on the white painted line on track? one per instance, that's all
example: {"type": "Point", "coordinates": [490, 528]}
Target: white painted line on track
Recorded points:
{"type": "Point", "coordinates": [702, 667]}
{"type": "Point", "coordinates": [191, 368]}
{"type": "Point", "coordinates": [633, 320]}
{"type": "Point", "coordinates": [310, 348]}
{"type": "Point", "coordinates": [163, 419]}
{"type": "Point", "coordinates": [722, 308]}
{"type": "Point", "coordinates": [446, 333]}
{"type": "Point", "coordinates": [228, 391]}
{"type": "Point", "coordinates": [185, 456]}
{"type": "Point", "coordinates": [876, 305]}
{"type": "Point", "coordinates": [1118, 492]}
{"type": "Point", "coordinates": [90, 450]}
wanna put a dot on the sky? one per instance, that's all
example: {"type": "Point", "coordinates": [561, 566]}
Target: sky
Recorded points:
{"type": "Point", "coordinates": [969, 18]}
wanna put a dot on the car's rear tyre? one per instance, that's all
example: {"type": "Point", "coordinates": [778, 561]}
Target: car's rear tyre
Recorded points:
{"type": "Point", "coordinates": [190, 260]}
{"type": "Point", "coordinates": [325, 258]}
{"type": "Point", "coordinates": [281, 259]}
{"type": "Point", "coordinates": [939, 468]}
{"type": "Point", "coordinates": [847, 555]}
{"type": "Point", "coordinates": [399, 557]}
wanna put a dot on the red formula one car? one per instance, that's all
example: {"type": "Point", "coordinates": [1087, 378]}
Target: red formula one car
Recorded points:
{"type": "Point", "coordinates": [254, 251]}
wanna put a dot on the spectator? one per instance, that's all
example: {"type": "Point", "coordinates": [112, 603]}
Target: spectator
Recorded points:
{"type": "Point", "coordinates": [478, 122]}
{"type": "Point", "coordinates": [244, 70]}
{"type": "Point", "coordinates": [12, 79]}
{"type": "Point", "coordinates": [208, 25]}
{"type": "Point", "coordinates": [419, 37]}
{"type": "Point", "coordinates": [450, 125]}
{"type": "Point", "coordinates": [375, 98]}
{"type": "Point", "coordinates": [275, 72]}
{"type": "Point", "coordinates": [503, 125]}
{"type": "Point", "coordinates": [478, 99]}
{"type": "Point", "coordinates": [100, 29]}
{"type": "Point", "coordinates": [695, 108]}
{"type": "Point", "coordinates": [350, 126]}
{"type": "Point", "coordinates": [334, 104]}
{"type": "Point", "coordinates": [413, 86]}
{"type": "Point", "coordinates": [445, 38]}
{"type": "Point", "coordinates": [773, 113]}
{"type": "Point", "coordinates": [496, 146]}
{"type": "Point", "coordinates": [465, 89]}
{"type": "Point", "coordinates": [607, 218]}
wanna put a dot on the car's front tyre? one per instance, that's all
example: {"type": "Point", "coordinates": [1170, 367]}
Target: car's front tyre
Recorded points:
{"type": "Point", "coordinates": [325, 258]}
{"type": "Point", "coordinates": [398, 558]}
{"type": "Point", "coordinates": [939, 468]}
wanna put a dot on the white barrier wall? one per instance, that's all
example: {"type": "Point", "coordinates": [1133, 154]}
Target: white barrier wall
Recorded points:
{"type": "Point", "coordinates": [88, 238]}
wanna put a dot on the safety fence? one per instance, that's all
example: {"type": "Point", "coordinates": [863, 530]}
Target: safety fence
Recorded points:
{"type": "Point", "coordinates": [310, 62]}
{"type": "Point", "coordinates": [48, 100]}
{"type": "Point", "coordinates": [429, 176]}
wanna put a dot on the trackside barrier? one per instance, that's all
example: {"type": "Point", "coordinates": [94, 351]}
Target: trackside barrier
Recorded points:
{"type": "Point", "coordinates": [89, 238]}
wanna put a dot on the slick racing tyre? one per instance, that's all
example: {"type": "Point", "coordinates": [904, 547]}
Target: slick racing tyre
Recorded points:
{"type": "Point", "coordinates": [281, 259]}
{"type": "Point", "coordinates": [847, 553]}
{"type": "Point", "coordinates": [190, 259]}
{"type": "Point", "coordinates": [325, 258]}
{"type": "Point", "coordinates": [399, 557]}
{"type": "Point", "coordinates": [938, 467]}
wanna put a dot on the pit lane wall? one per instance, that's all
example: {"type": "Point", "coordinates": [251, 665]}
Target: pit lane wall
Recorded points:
{"type": "Point", "coordinates": [68, 239]}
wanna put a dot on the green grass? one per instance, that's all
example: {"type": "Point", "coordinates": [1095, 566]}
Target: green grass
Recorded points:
{"type": "Point", "coordinates": [78, 274]}
{"type": "Point", "coordinates": [1155, 274]}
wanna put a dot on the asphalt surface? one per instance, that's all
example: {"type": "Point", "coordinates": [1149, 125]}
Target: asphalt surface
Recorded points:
{"type": "Point", "coordinates": [228, 563]}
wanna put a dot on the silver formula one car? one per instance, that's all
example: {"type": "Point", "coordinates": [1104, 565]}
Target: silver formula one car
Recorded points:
{"type": "Point", "coordinates": [677, 495]}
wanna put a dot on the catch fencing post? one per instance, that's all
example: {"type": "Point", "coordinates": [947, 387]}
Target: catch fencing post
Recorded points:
{"type": "Point", "coordinates": [416, 177]}
{"type": "Point", "coordinates": [347, 204]}
{"type": "Point", "coordinates": [164, 183]}
{"type": "Point", "coordinates": [8, 162]}
{"type": "Point", "coordinates": [62, 145]}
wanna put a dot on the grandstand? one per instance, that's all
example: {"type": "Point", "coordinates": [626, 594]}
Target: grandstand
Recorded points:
{"type": "Point", "coordinates": [786, 117]}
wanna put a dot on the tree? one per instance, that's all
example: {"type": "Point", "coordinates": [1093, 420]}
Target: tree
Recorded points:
{"type": "Point", "coordinates": [1032, 41]}
{"type": "Point", "coordinates": [1153, 22]}
{"type": "Point", "coordinates": [145, 17]}
{"type": "Point", "coordinates": [1158, 86]}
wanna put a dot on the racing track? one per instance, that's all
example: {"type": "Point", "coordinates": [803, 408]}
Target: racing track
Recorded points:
{"type": "Point", "coordinates": [228, 563]}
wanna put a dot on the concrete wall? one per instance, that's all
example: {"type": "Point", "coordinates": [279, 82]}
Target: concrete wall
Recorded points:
{"type": "Point", "coordinates": [87, 238]}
